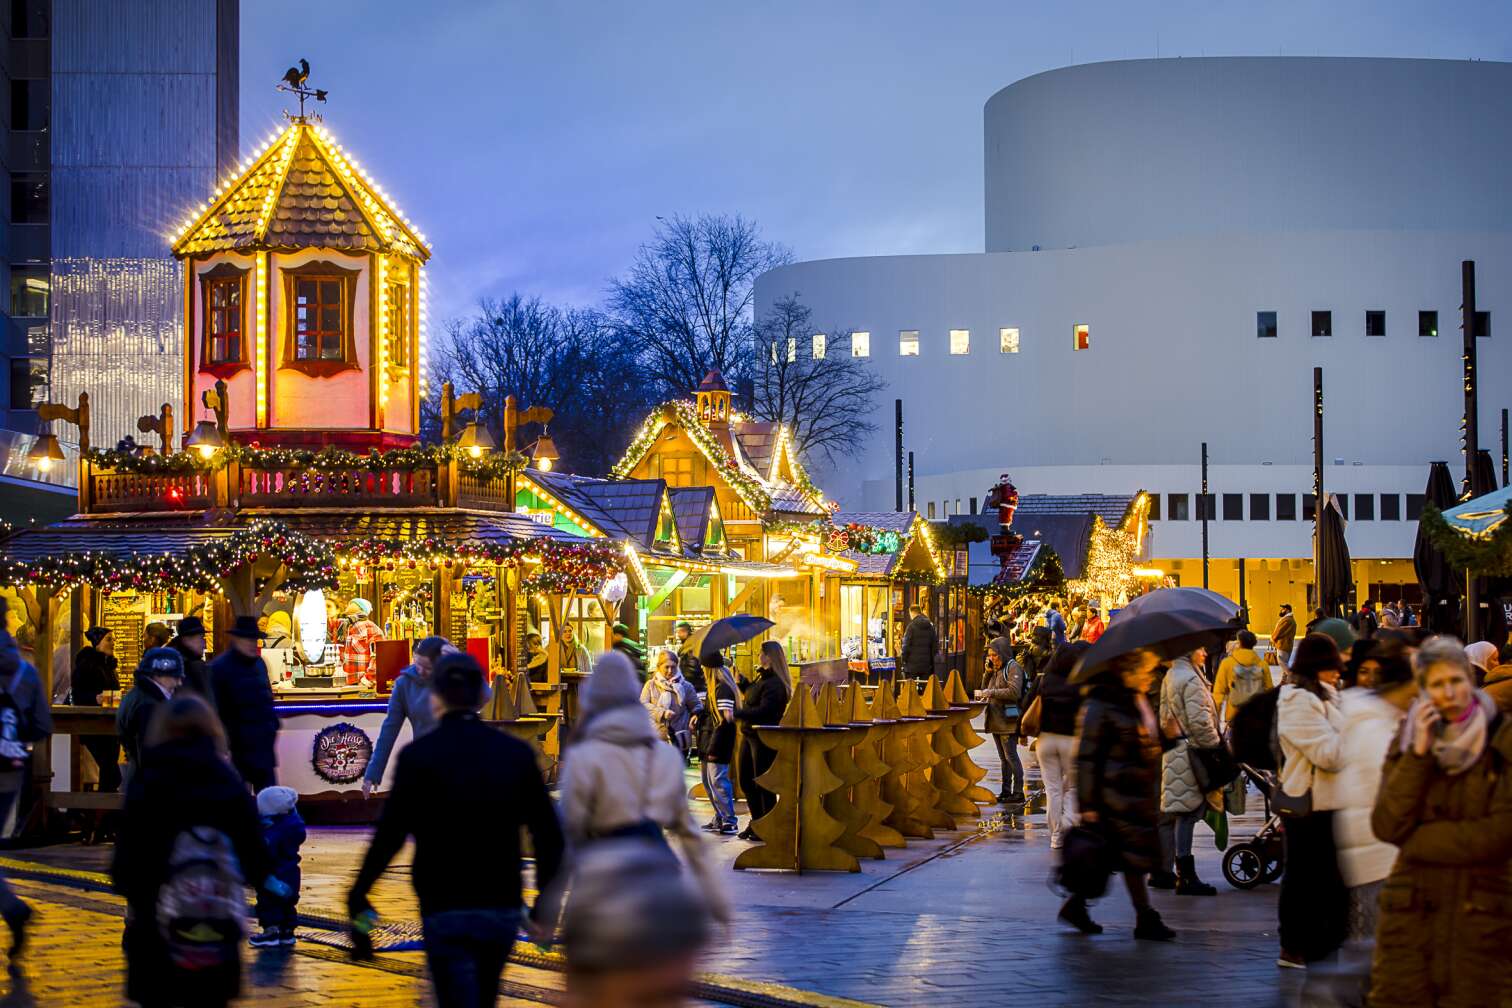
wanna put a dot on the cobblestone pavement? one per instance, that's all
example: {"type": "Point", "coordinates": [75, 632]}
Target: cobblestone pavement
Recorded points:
{"type": "Point", "coordinates": [968, 918]}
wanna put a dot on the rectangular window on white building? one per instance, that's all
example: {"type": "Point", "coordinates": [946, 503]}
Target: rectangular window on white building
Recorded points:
{"type": "Point", "coordinates": [860, 344]}
{"type": "Point", "coordinates": [1322, 323]}
{"type": "Point", "coordinates": [908, 343]}
{"type": "Point", "coordinates": [931, 511]}
{"type": "Point", "coordinates": [1265, 324]}
{"type": "Point", "coordinates": [1081, 337]}
{"type": "Point", "coordinates": [1427, 323]}
{"type": "Point", "coordinates": [1375, 323]}
{"type": "Point", "coordinates": [960, 342]}
{"type": "Point", "coordinates": [792, 349]}
{"type": "Point", "coordinates": [818, 346]}
{"type": "Point", "coordinates": [1391, 507]}
{"type": "Point", "coordinates": [1008, 340]}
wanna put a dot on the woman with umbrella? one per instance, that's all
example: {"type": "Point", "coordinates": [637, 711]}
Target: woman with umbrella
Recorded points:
{"type": "Point", "coordinates": [1118, 783]}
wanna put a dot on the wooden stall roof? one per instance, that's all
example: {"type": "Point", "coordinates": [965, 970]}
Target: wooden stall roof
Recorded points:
{"type": "Point", "coordinates": [1064, 522]}
{"type": "Point", "coordinates": [449, 526]}
{"type": "Point", "coordinates": [144, 535]}
{"type": "Point", "coordinates": [628, 510]}
{"type": "Point", "coordinates": [914, 552]}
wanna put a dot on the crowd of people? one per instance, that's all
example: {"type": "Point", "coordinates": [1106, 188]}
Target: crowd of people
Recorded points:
{"type": "Point", "coordinates": [1390, 752]}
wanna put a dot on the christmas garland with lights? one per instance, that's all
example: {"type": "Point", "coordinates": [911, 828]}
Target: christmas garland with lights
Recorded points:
{"type": "Point", "coordinates": [1044, 576]}
{"type": "Point", "coordinates": [310, 561]}
{"type": "Point", "coordinates": [564, 566]}
{"type": "Point", "coordinates": [1487, 553]}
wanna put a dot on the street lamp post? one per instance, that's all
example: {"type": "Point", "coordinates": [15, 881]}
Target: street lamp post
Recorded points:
{"type": "Point", "coordinates": [46, 450]}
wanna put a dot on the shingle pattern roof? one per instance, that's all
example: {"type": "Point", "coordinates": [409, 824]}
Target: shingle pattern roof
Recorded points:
{"type": "Point", "coordinates": [690, 509]}
{"type": "Point", "coordinates": [315, 205]}
{"type": "Point", "coordinates": [756, 438]}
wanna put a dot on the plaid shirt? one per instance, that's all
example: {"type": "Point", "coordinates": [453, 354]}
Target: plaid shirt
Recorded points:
{"type": "Point", "coordinates": [358, 657]}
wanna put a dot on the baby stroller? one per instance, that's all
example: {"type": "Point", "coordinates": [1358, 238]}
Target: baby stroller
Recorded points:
{"type": "Point", "coordinates": [1261, 858]}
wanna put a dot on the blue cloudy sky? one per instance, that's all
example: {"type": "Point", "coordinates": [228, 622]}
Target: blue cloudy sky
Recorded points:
{"type": "Point", "coordinates": [536, 143]}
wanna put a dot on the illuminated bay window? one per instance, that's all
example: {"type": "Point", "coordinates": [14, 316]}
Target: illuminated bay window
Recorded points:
{"type": "Point", "coordinates": [319, 339]}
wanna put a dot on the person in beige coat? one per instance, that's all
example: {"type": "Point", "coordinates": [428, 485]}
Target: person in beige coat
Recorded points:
{"type": "Point", "coordinates": [635, 920]}
{"type": "Point", "coordinates": [1186, 700]}
{"type": "Point", "coordinates": [1313, 906]}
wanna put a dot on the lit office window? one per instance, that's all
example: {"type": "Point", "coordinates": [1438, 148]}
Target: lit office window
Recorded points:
{"type": "Point", "coordinates": [1008, 340]}
{"type": "Point", "coordinates": [792, 349]}
{"type": "Point", "coordinates": [1375, 323]}
{"type": "Point", "coordinates": [818, 346]}
{"type": "Point", "coordinates": [1081, 337]}
{"type": "Point", "coordinates": [960, 342]}
{"type": "Point", "coordinates": [860, 344]}
{"type": "Point", "coordinates": [1427, 323]}
{"type": "Point", "coordinates": [908, 343]}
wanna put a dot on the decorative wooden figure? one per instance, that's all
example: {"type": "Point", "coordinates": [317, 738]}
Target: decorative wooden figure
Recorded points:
{"type": "Point", "coordinates": [963, 764]}
{"type": "Point", "coordinates": [799, 834]}
{"type": "Point", "coordinates": [900, 754]}
{"type": "Point", "coordinates": [951, 785]}
{"type": "Point", "coordinates": [919, 782]}
{"type": "Point", "coordinates": [847, 803]}
{"type": "Point", "coordinates": [868, 756]}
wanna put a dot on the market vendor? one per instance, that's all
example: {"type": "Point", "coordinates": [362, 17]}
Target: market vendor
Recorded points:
{"type": "Point", "coordinates": [571, 655]}
{"type": "Point", "coordinates": [359, 654]}
{"type": "Point", "coordinates": [536, 659]}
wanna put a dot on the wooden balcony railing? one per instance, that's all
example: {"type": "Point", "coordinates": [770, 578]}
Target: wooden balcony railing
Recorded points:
{"type": "Point", "coordinates": [115, 492]}
{"type": "Point", "coordinates": [278, 488]}
{"type": "Point", "coordinates": [489, 495]}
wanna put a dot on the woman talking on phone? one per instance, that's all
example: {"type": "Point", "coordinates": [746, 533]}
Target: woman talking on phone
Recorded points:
{"type": "Point", "coordinates": [1446, 801]}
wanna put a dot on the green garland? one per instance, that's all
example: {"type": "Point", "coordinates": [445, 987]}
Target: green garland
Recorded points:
{"type": "Point", "coordinates": [565, 566]}
{"type": "Point", "coordinates": [958, 536]}
{"type": "Point", "coordinates": [310, 561]}
{"type": "Point", "coordinates": [1488, 554]}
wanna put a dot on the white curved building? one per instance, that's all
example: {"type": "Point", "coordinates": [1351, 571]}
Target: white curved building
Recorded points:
{"type": "Point", "coordinates": [1172, 246]}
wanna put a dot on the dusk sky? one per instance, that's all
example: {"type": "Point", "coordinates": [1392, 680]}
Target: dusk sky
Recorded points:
{"type": "Point", "coordinates": [536, 143]}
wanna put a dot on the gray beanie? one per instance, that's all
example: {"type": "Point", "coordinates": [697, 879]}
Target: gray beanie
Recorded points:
{"type": "Point", "coordinates": [613, 684]}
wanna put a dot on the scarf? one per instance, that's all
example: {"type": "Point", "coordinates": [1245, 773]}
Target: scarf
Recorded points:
{"type": "Point", "coordinates": [1461, 742]}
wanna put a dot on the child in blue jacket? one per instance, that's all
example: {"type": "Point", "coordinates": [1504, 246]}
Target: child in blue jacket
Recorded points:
{"type": "Point", "coordinates": [284, 833]}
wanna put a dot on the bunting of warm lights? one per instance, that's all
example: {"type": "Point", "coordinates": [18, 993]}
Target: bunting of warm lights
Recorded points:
{"type": "Point", "coordinates": [310, 563]}
{"type": "Point", "coordinates": [683, 413]}
{"type": "Point", "coordinates": [548, 565]}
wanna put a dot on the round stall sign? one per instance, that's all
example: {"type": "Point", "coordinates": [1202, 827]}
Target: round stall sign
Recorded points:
{"type": "Point", "coordinates": [341, 753]}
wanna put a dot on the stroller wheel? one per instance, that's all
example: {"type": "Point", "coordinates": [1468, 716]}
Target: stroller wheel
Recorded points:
{"type": "Point", "coordinates": [1244, 866]}
{"type": "Point", "coordinates": [1275, 864]}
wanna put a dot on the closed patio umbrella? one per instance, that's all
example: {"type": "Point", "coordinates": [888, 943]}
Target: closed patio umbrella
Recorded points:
{"type": "Point", "coordinates": [1442, 585]}
{"type": "Point", "coordinates": [1334, 576]}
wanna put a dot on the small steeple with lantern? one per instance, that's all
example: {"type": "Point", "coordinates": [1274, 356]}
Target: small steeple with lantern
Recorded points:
{"type": "Point", "coordinates": [304, 293]}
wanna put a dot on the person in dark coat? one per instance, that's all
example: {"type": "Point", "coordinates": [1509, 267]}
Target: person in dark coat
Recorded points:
{"type": "Point", "coordinates": [1003, 689]}
{"type": "Point", "coordinates": [185, 782]}
{"type": "Point", "coordinates": [621, 639]}
{"type": "Point", "coordinates": [94, 674]}
{"type": "Point", "coordinates": [158, 676]}
{"type": "Point", "coordinates": [763, 704]}
{"type": "Point", "coordinates": [916, 655]}
{"type": "Point", "coordinates": [1118, 752]}
{"type": "Point", "coordinates": [717, 743]}
{"type": "Point", "coordinates": [464, 791]}
{"type": "Point", "coordinates": [244, 700]}
{"type": "Point", "coordinates": [284, 833]}
{"type": "Point", "coordinates": [190, 644]}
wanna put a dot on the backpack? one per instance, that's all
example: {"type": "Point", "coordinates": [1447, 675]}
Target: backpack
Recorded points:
{"type": "Point", "coordinates": [1248, 681]}
{"type": "Point", "coordinates": [200, 910]}
{"type": "Point", "coordinates": [1252, 733]}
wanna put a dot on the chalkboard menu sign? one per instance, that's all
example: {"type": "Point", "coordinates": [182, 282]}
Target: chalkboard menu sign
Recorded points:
{"type": "Point", "coordinates": [456, 630]}
{"type": "Point", "coordinates": [125, 616]}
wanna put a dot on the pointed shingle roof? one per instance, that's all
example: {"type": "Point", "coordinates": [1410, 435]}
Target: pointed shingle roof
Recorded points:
{"type": "Point", "coordinates": [301, 192]}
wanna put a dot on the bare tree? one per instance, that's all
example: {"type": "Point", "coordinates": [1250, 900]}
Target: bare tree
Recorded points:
{"type": "Point", "coordinates": [686, 303]}
{"type": "Point", "coordinates": [571, 362]}
{"type": "Point", "coordinates": [823, 395]}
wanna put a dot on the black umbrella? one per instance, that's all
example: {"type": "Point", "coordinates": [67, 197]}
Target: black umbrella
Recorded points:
{"type": "Point", "coordinates": [723, 633]}
{"type": "Point", "coordinates": [1442, 586]}
{"type": "Point", "coordinates": [1168, 633]}
{"type": "Point", "coordinates": [1334, 576]}
{"type": "Point", "coordinates": [1197, 601]}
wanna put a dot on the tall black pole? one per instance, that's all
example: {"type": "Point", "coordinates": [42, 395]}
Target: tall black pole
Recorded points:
{"type": "Point", "coordinates": [910, 482]}
{"type": "Point", "coordinates": [1317, 480]}
{"type": "Point", "coordinates": [1504, 447]}
{"type": "Point", "coordinates": [1471, 425]}
{"type": "Point", "coordinates": [898, 451]}
{"type": "Point", "coordinates": [1202, 504]}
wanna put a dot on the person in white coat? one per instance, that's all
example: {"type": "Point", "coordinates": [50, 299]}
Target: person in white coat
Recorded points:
{"type": "Point", "coordinates": [1186, 700]}
{"type": "Point", "coordinates": [1310, 726]}
{"type": "Point", "coordinates": [1371, 719]}
{"type": "Point", "coordinates": [634, 921]}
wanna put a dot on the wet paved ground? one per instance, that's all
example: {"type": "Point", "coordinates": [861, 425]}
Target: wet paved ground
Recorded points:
{"type": "Point", "coordinates": [968, 918]}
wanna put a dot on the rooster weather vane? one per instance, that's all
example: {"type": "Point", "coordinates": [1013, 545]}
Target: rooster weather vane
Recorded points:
{"type": "Point", "coordinates": [294, 83]}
